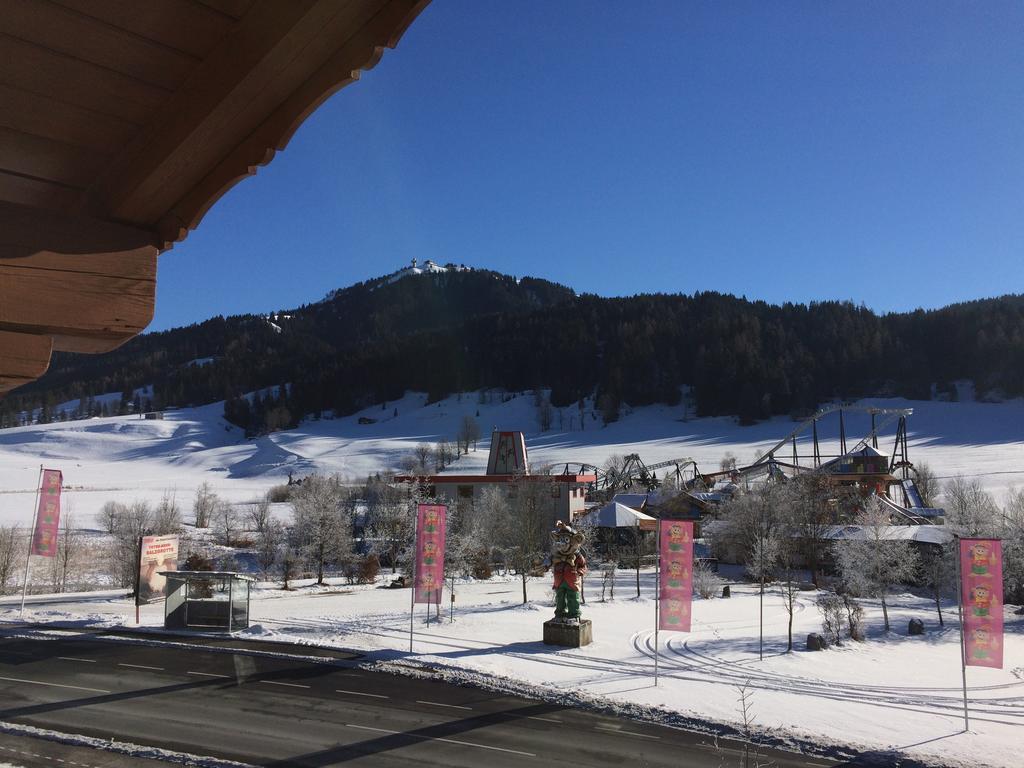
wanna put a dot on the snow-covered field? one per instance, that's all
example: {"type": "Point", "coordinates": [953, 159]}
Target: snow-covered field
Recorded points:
{"type": "Point", "coordinates": [893, 693]}
{"type": "Point", "coordinates": [124, 458]}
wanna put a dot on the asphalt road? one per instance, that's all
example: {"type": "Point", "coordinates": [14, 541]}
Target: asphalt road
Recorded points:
{"type": "Point", "coordinates": [292, 712]}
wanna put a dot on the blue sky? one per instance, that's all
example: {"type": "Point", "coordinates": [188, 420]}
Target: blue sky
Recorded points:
{"type": "Point", "coordinates": [786, 151]}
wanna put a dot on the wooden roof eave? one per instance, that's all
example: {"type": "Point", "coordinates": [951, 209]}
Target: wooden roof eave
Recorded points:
{"type": "Point", "coordinates": [78, 266]}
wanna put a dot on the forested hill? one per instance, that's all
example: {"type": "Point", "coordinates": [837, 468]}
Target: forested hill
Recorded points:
{"type": "Point", "coordinates": [470, 329]}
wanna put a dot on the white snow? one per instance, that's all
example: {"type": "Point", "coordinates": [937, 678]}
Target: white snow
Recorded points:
{"type": "Point", "coordinates": [122, 458]}
{"type": "Point", "coordinates": [891, 693]}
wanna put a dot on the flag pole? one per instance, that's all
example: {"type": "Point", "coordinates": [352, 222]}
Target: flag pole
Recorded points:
{"type": "Point", "coordinates": [960, 614]}
{"type": "Point", "coordinates": [31, 534]}
{"type": "Point", "coordinates": [657, 605]}
{"type": "Point", "coordinates": [412, 595]}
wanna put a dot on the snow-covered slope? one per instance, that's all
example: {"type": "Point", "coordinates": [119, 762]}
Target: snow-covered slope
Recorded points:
{"type": "Point", "coordinates": [123, 458]}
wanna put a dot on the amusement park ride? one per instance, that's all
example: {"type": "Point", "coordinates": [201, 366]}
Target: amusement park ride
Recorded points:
{"type": "Point", "coordinates": [887, 475]}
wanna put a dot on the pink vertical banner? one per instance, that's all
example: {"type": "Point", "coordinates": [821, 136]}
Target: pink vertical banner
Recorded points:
{"type": "Point", "coordinates": [981, 594]}
{"type": "Point", "coordinates": [431, 525]}
{"type": "Point", "coordinates": [44, 538]}
{"type": "Point", "coordinates": [675, 591]}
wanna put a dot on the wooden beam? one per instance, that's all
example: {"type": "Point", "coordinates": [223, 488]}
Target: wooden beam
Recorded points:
{"type": "Point", "coordinates": [23, 358]}
{"type": "Point", "coordinates": [90, 285]}
{"type": "Point", "coordinates": [241, 104]}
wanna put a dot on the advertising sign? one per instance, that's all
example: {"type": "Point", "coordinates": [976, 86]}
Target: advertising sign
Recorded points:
{"type": "Point", "coordinates": [675, 588]}
{"type": "Point", "coordinates": [431, 525]}
{"type": "Point", "coordinates": [156, 553]}
{"type": "Point", "coordinates": [981, 594]}
{"type": "Point", "coordinates": [44, 538]}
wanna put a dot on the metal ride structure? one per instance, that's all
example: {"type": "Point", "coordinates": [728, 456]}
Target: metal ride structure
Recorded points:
{"type": "Point", "coordinates": [635, 472]}
{"type": "Point", "coordinates": [899, 458]}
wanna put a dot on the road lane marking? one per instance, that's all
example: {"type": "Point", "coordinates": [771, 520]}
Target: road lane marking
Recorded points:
{"type": "Point", "coordinates": [54, 685]}
{"type": "Point", "coordinates": [543, 719]}
{"type": "Point", "coordinates": [439, 704]}
{"type": "Point", "coordinates": [208, 674]}
{"type": "Point", "coordinates": [360, 693]}
{"type": "Point", "coordinates": [617, 732]}
{"type": "Point", "coordinates": [289, 685]}
{"type": "Point", "coordinates": [438, 738]}
{"type": "Point", "coordinates": [141, 666]}
{"type": "Point", "coordinates": [72, 658]}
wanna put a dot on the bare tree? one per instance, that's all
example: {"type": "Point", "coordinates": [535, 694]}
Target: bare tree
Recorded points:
{"type": "Point", "coordinates": [64, 562]}
{"type": "Point", "coordinates": [203, 506]}
{"type": "Point", "coordinates": [289, 562]}
{"type": "Point", "coordinates": [109, 515]}
{"type": "Point", "coordinates": [135, 522]}
{"type": "Point", "coordinates": [938, 569]}
{"type": "Point", "coordinates": [10, 551]}
{"type": "Point", "coordinates": [269, 540]}
{"type": "Point", "coordinates": [873, 564]}
{"type": "Point", "coordinates": [926, 482]}
{"type": "Point", "coordinates": [226, 522]}
{"type": "Point", "coordinates": [728, 462]}
{"type": "Point", "coordinates": [323, 523]}
{"type": "Point", "coordinates": [258, 514]}
{"type": "Point", "coordinates": [469, 432]}
{"type": "Point", "coordinates": [167, 515]}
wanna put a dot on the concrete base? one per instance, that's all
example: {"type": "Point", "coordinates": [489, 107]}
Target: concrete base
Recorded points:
{"type": "Point", "coordinates": [568, 635]}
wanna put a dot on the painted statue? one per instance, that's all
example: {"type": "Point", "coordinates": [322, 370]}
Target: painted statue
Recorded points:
{"type": "Point", "coordinates": [568, 567]}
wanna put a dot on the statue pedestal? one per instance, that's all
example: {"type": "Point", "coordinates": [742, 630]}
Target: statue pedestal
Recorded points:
{"type": "Point", "coordinates": [568, 635]}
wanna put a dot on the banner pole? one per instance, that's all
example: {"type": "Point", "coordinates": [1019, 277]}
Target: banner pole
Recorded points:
{"type": "Point", "coordinates": [960, 615]}
{"type": "Point", "coordinates": [657, 605]}
{"type": "Point", "coordinates": [412, 595]}
{"type": "Point", "coordinates": [31, 534]}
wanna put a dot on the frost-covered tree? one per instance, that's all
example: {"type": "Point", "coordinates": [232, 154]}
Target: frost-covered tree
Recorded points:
{"type": "Point", "coordinates": [1013, 546]}
{"type": "Point", "coordinates": [970, 510]}
{"type": "Point", "coordinates": [389, 522]}
{"type": "Point", "coordinates": [269, 541]}
{"type": "Point", "coordinates": [524, 532]}
{"type": "Point", "coordinates": [258, 515]}
{"type": "Point", "coordinates": [938, 571]}
{"type": "Point", "coordinates": [323, 523]}
{"type": "Point", "coordinates": [873, 564]}
{"type": "Point", "coordinates": [926, 482]}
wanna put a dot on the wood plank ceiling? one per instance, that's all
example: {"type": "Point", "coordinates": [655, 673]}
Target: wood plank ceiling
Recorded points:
{"type": "Point", "coordinates": [123, 121]}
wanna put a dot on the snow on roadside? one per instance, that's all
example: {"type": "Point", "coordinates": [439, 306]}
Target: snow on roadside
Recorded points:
{"type": "Point", "coordinates": [892, 695]}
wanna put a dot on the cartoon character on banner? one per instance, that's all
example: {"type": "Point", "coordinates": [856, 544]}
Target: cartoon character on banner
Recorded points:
{"type": "Point", "coordinates": [983, 643]}
{"type": "Point", "coordinates": [677, 573]}
{"type": "Point", "coordinates": [568, 566]}
{"type": "Point", "coordinates": [982, 557]}
{"type": "Point", "coordinates": [430, 520]}
{"type": "Point", "coordinates": [676, 611]}
{"type": "Point", "coordinates": [677, 537]}
{"type": "Point", "coordinates": [429, 552]}
{"type": "Point", "coordinates": [983, 601]}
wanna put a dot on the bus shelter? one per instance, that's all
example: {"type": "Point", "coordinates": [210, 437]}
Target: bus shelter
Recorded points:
{"type": "Point", "coordinates": [207, 600]}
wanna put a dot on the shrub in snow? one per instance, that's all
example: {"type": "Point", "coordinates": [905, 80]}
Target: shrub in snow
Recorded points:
{"type": "Point", "coordinates": [705, 580]}
{"type": "Point", "coordinates": [830, 605]}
